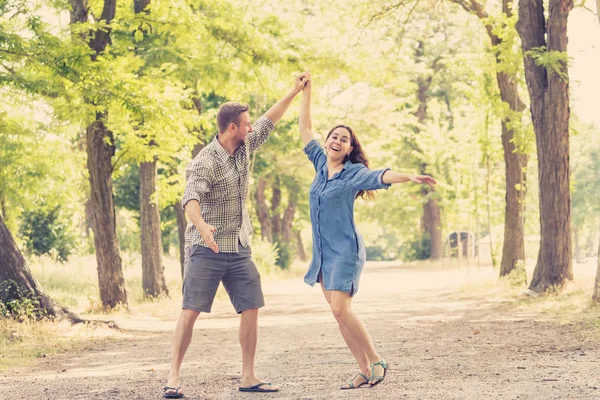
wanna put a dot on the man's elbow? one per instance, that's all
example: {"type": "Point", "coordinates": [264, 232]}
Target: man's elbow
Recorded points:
{"type": "Point", "coordinates": [191, 205]}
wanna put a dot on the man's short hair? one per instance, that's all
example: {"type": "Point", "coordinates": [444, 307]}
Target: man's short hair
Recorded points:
{"type": "Point", "coordinates": [228, 113]}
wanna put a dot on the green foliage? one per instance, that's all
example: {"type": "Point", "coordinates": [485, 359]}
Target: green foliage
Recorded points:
{"type": "Point", "coordinates": [285, 254]}
{"type": "Point", "coordinates": [159, 82]}
{"type": "Point", "coordinates": [553, 61]}
{"type": "Point", "coordinates": [416, 249]}
{"type": "Point", "coordinates": [127, 187]}
{"type": "Point", "coordinates": [169, 229]}
{"type": "Point", "coordinates": [18, 303]}
{"type": "Point", "coordinates": [517, 277]}
{"type": "Point", "coordinates": [47, 231]}
{"type": "Point", "coordinates": [264, 254]}
{"type": "Point", "coordinates": [378, 253]}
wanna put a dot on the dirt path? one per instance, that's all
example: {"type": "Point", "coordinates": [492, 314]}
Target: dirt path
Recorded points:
{"type": "Point", "coordinates": [441, 345]}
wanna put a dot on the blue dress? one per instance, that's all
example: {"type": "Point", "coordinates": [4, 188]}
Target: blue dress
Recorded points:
{"type": "Point", "coordinates": [338, 249]}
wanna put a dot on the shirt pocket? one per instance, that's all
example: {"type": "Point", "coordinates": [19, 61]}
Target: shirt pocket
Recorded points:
{"type": "Point", "coordinates": [314, 188]}
{"type": "Point", "coordinates": [334, 189]}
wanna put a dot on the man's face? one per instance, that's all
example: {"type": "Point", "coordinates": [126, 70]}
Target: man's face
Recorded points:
{"type": "Point", "coordinates": [243, 127]}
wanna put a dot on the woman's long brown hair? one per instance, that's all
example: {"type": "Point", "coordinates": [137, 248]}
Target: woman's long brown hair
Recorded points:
{"type": "Point", "coordinates": [357, 155]}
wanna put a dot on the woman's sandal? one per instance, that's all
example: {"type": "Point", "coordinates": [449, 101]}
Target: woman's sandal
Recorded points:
{"type": "Point", "coordinates": [176, 395]}
{"type": "Point", "coordinates": [351, 383]}
{"type": "Point", "coordinates": [376, 378]}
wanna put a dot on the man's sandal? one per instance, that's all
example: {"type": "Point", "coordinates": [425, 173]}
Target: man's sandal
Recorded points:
{"type": "Point", "coordinates": [351, 383]}
{"type": "Point", "coordinates": [377, 379]}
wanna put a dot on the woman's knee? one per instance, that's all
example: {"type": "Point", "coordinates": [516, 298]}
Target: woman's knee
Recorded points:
{"type": "Point", "coordinates": [340, 310]}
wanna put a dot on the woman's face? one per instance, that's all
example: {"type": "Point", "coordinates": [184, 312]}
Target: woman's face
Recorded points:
{"type": "Point", "coordinates": [339, 144]}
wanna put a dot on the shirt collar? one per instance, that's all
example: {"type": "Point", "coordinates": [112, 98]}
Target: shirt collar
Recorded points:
{"type": "Point", "coordinates": [221, 153]}
{"type": "Point", "coordinates": [325, 170]}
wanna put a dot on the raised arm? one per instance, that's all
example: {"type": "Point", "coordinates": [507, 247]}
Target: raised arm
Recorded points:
{"type": "Point", "coordinates": [390, 176]}
{"type": "Point", "coordinates": [305, 123]}
{"type": "Point", "coordinates": [278, 109]}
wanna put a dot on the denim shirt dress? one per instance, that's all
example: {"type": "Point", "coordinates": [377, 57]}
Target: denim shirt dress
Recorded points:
{"type": "Point", "coordinates": [338, 249]}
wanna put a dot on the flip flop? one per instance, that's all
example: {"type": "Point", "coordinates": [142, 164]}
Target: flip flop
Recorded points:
{"type": "Point", "coordinates": [258, 388]}
{"type": "Point", "coordinates": [351, 383]}
{"type": "Point", "coordinates": [176, 395]}
{"type": "Point", "coordinates": [376, 378]}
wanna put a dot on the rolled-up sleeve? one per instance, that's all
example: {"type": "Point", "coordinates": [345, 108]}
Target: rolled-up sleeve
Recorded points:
{"type": "Point", "coordinates": [315, 154]}
{"type": "Point", "coordinates": [260, 133]}
{"type": "Point", "coordinates": [198, 179]}
{"type": "Point", "coordinates": [369, 179]}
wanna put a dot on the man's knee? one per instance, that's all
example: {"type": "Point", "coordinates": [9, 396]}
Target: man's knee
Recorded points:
{"type": "Point", "coordinates": [189, 316]}
{"type": "Point", "coordinates": [250, 313]}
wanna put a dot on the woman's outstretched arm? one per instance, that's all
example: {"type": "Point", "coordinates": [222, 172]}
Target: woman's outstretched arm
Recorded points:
{"type": "Point", "coordinates": [305, 123]}
{"type": "Point", "coordinates": [398, 177]}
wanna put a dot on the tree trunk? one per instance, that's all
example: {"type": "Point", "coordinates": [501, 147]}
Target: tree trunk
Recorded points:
{"type": "Point", "coordinates": [488, 206]}
{"type": "Point", "coordinates": [262, 211]}
{"type": "Point", "coordinates": [100, 150]}
{"type": "Point", "coordinates": [300, 247]}
{"type": "Point", "coordinates": [432, 220]}
{"type": "Point", "coordinates": [578, 254]}
{"type": "Point", "coordinates": [140, 5]}
{"type": "Point", "coordinates": [288, 219]}
{"type": "Point", "coordinates": [276, 221]}
{"type": "Point", "coordinates": [2, 206]}
{"type": "Point", "coordinates": [153, 278]}
{"type": "Point", "coordinates": [513, 248]}
{"type": "Point", "coordinates": [596, 296]}
{"type": "Point", "coordinates": [181, 226]}
{"type": "Point", "coordinates": [13, 267]}
{"type": "Point", "coordinates": [110, 272]}
{"type": "Point", "coordinates": [197, 149]}
{"type": "Point", "coordinates": [514, 237]}
{"type": "Point", "coordinates": [549, 94]}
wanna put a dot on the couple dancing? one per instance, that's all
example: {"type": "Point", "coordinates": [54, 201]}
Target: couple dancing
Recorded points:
{"type": "Point", "coordinates": [217, 237]}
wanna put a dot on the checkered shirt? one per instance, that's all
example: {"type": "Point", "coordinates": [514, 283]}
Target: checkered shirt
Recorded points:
{"type": "Point", "coordinates": [219, 182]}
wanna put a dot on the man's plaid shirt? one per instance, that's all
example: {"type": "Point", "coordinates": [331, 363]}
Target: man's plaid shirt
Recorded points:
{"type": "Point", "coordinates": [219, 182]}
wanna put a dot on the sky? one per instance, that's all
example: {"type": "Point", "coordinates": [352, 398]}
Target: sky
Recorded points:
{"type": "Point", "coordinates": [584, 49]}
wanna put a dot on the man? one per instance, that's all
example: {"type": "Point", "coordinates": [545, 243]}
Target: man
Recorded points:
{"type": "Point", "coordinates": [216, 239]}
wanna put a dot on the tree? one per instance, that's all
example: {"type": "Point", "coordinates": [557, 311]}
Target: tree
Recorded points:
{"type": "Point", "coordinates": [100, 149]}
{"type": "Point", "coordinates": [515, 158]}
{"type": "Point", "coordinates": [13, 268]}
{"type": "Point", "coordinates": [544, 46]}
{"type": "Point", "coordinates": [432, 220]}
{"type": "Point", "coordinates": [596, 295]}
{"type": "Point", "coordinates": [153, 279]}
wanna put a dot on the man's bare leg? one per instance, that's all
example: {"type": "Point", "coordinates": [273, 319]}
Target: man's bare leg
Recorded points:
{"type": "Point", "coordinates": [248, 341]}
{"type": "Point", "coordinates": [181, 341]}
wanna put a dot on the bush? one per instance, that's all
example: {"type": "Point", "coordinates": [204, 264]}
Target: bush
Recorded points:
{"type": "Point", "coordinates": [378, 253]}
{"type": "Point", "coordinates": [47, 231]}
{"type": "Point", "coordinates": [416, 249]}
{"type": "Point", "coordinates": [264, 254]}
{"type": "Point", "coordinates": [18, 303]}
{"type": "Point", "coordinates": [286, 255]}
{"type": "Point", "coordinates": [517, 277]}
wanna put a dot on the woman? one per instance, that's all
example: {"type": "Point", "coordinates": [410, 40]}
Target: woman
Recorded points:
{"type": "Point", "coordinates": [342, 175]}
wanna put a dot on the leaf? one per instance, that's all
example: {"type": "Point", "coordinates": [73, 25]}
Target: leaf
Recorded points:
{"type": "Point", "coordinates": [138, 36]}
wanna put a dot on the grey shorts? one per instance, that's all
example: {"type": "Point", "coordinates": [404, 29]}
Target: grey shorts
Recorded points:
{"type": "Point", "coordinates": [203, 271]}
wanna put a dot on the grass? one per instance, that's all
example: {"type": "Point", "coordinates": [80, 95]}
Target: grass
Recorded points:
{"type": "Point", "coordinates": [21, 343]}
{"type": "Point", "coordinates": [571, 305]}
{"type": "Point", "coordinates": [75, 285]}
